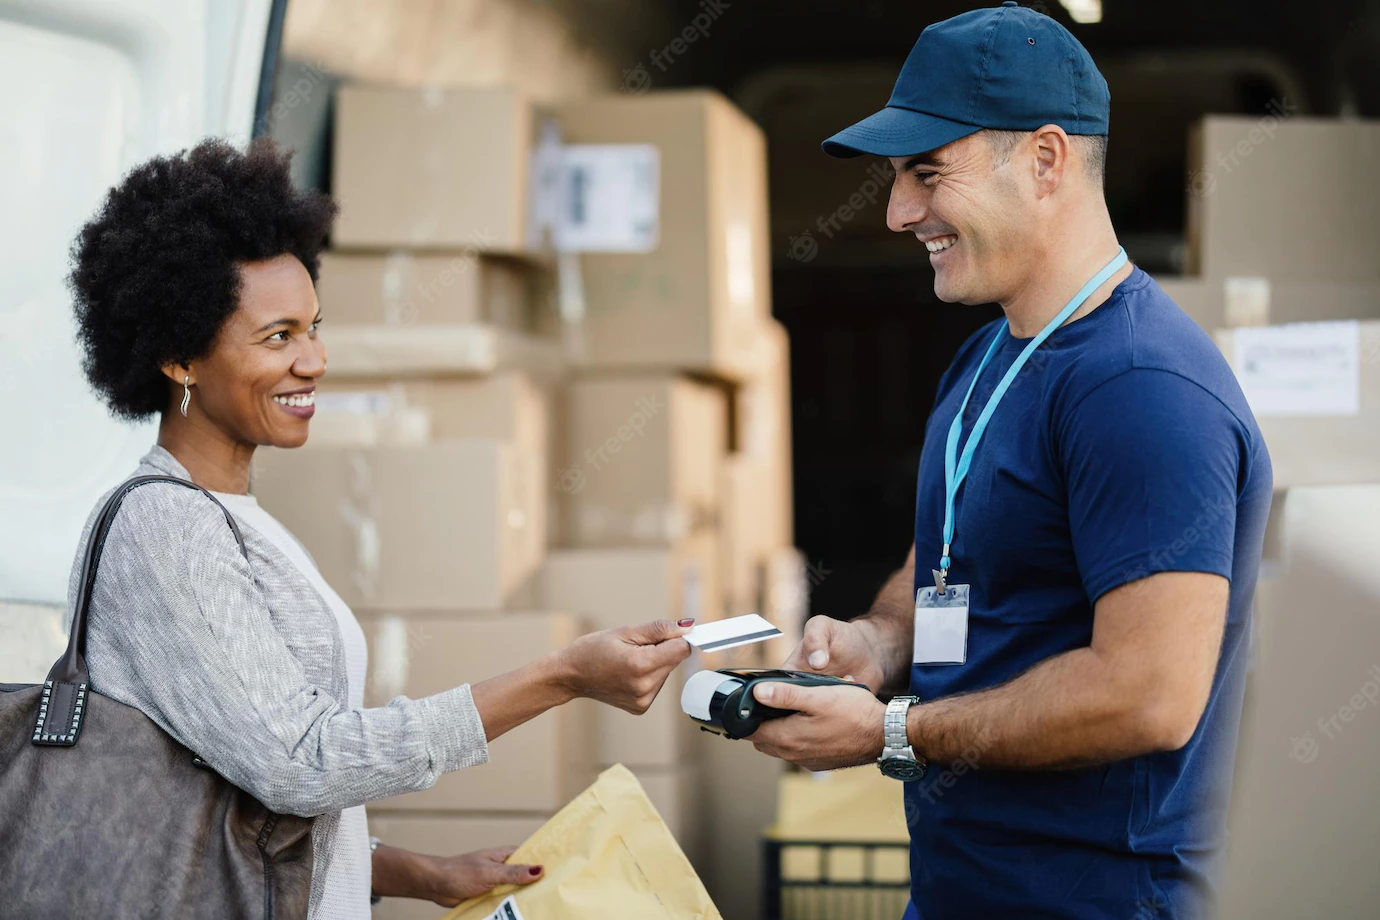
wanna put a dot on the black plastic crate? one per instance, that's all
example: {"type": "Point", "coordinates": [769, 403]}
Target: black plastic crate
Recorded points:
{"type": "Point", "coordinates": [849, 880]}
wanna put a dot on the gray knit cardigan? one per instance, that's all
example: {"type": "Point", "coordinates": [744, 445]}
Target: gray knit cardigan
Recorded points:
{"type": "Point", "coordinates": [243, 664]}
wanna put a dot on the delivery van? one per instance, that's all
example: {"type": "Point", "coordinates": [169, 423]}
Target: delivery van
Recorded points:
{"type": "Point", "coordinates": [88, 89]}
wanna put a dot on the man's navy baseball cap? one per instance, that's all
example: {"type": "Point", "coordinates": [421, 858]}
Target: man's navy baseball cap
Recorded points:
{"type": "Point", "coordinates": [1008, 68]}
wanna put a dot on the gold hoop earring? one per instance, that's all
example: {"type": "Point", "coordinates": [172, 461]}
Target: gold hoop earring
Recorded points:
{"type": "Point", "coordinates": [186, 394]}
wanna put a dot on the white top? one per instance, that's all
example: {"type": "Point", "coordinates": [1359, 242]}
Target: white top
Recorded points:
{"type": "Point", "coordinates": [346, 896]}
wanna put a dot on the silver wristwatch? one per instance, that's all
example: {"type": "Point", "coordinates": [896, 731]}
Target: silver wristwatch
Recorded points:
{"type": "Point", "coordinates": [898, 758]}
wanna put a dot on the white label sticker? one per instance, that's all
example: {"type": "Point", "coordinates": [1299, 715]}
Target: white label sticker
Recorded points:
{"type": "Point", "coordinates": [611, 198]}
{"type": "Point", "coordinates": [508, 910]}
{"type": "Point", "coordinates": [1300, 368]}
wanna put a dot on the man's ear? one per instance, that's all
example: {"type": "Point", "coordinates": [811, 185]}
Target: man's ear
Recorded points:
{"type": "Point", "coordinates": [1052, 151]}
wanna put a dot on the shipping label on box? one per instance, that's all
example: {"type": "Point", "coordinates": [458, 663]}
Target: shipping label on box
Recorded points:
{"type": "Point", "coordinates": [611, 200]}
{"type": "Point", "coordinates": [1300, 368]}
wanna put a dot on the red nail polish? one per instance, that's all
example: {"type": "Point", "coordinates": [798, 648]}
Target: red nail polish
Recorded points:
{"type": "Point", "coordinates": [534, 870]}
{"type": "Point", "coordinates": [687, 621]}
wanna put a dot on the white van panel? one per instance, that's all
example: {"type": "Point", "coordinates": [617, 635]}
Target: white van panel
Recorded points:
{"type": "Point", "coordinates": [89, 90]}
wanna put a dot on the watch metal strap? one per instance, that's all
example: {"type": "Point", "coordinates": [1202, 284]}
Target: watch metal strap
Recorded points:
{"type": "Point", "coordinates": [894, 724]}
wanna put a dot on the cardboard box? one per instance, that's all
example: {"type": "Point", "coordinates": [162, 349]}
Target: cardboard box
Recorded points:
{"type": "Point", "coordinates": [442, 834]}
{"type": "Point", "coordinates": [536, 767]}
{"type": "Point", "coordinates": [1305, 763]}
{"type": "Point", "coordinates": [620, 587]}
{"type": "Point", "coordinates": [642, 459]}
{"type": "Point", "coordinates": [739, 805]}
{"type": "Point", "coordinates": [745, 530]}
{"type": "Point", "coordinates": [1320, 449]}
{"type": "Point", "coordinates": [442, 526]}
{"type": "Point", "coordinates": [693, 302]}
{"type": "Point", "coordinates": [1215, 303]}
{"type": "Point", "coordinates": [510, 406]}
{"type": "Point", "coordinates": [431, 168]}
{"type": "Point", "coordinates": [787, 580]}
{"type": "Point", "coordinates": [406, 288]}
{"type": "Point", "coordinates": [1253, 212]}
{"type": "Point", "coordinates": [762, 421]}
{"type": "Point", "coordinates": [373, 352]}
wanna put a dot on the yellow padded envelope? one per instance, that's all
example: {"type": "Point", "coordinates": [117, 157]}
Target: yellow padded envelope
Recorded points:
{"type": "Point", "coordinates": [608, 856]}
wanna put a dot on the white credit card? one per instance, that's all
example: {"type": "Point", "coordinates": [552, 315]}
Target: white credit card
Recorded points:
{"type": "Point", "coordinates": [731, 633]}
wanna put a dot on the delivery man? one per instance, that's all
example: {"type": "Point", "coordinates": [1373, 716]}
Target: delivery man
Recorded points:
{"type": "Point", "coordinates": [1065, 648]}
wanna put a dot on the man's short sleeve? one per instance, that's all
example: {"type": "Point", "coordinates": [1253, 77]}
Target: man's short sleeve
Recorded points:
{"type": "Point", "coordinates": [1152, 464]}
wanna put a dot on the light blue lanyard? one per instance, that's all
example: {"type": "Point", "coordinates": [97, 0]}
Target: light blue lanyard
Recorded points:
{"type": "Point", "coordinates": [955, 472]}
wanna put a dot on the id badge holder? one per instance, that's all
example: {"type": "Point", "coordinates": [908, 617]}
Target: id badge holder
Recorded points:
{"type": "Point", "coordinates": [941, 625]}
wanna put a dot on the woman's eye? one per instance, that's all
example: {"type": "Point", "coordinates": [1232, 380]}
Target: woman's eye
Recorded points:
{"type": "Point", "coordinates": [281, 335]}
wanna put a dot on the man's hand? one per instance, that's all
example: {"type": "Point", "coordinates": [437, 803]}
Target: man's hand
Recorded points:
{"type": "Point", "coordinates": [843, 649]}
{"type": "Point", "coordinates": [832, 727]}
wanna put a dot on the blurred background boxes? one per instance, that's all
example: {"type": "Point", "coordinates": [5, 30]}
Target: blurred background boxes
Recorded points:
{"type": "Point", "coordinates": [695, 301]}
{"type": "Point", "coordinates": [431, 168]}
{"type": "Point", "coordinates": [454, 350]}
{"type": "Point", "coordinates": [642, 458]}
{"type": "Point", "coordinates": [1287, 374]}
{"type": "Point", "coordinates": [1266, 242]}
{"type": "Point", "coordinates": [511, 406]}
{"type": "Point", "coordinates": [404, 288]}
{"type": "Point", "coordinates": [1263, 300]}
{"type": "Point", "coordinates": [536, 767]}
{"type": "Point", "coordinates": [1305, 768]}
{"type": "Point", "coordinates": [625, 586]}
{"type": "Point", "coordinates": [1252, 211]}
{"type": "Point", "coordinates": [436, 526]}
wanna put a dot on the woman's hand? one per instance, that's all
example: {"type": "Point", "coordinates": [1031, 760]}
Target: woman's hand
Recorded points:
{"type": "Point", "coordinates": [446, 880]}
{"type": "Point", "coordinates": [472, 874]}
{"type": "Point", "coordinates": [625, 667]}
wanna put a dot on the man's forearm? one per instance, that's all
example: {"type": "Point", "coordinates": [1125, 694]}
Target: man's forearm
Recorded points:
{"type": "Point", "coordinates": [890, 624]}
{"type": "Point", "coordinates": [1068, 711]}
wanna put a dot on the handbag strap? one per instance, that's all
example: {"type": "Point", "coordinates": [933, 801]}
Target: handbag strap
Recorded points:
{"type": "Point", "coordinates": [64, 690]}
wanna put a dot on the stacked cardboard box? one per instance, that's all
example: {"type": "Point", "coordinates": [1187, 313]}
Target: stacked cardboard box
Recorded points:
{"type": "Point", "coordinates": [481, 491]}
{"type": "Point", "coordinates": [674, 464]}
{"type": "Point", "coordinates": [1301, 298]}
{"type": "Point", "coordinates": [424, 493]}
{"type": "Point", "coordinates": [1315, 391]}
{"type": "Point", "coordinates": [696, 301]}
{"type": "Point", "coordinates": [1245, 265]}
{"type": "Point", "coordinates": [1308, 743]}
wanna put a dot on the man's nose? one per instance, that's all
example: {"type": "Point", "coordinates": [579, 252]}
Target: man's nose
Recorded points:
{"type": "Point", "coordinates": [904, 209]}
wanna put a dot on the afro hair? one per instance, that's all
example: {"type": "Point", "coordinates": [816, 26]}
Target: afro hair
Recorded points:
{"type": "Point", "coordinates": [155, 273]}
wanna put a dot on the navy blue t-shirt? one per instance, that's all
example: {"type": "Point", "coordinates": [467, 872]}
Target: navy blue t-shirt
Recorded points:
{"type": "Point", "coordinates": [1123, 448]}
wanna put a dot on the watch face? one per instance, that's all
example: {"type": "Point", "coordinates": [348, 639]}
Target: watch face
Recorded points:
{"type": "Point", "coordinates": [904, 769]}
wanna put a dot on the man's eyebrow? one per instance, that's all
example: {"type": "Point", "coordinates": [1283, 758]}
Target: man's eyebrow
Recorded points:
{"type": "Point", "coordinates": [921, 159]}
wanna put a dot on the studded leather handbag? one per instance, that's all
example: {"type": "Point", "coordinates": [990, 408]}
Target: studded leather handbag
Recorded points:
{"type": "Point", "coordinates": [103, 814]}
